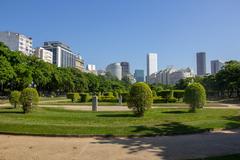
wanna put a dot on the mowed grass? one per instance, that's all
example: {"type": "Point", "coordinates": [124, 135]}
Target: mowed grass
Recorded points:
{"type": "Point", "coordinates": [159, 121]}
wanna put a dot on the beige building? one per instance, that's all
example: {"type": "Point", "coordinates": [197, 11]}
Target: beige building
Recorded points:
{"type": "Point", "coordinates": [44, 54]}
{"type": "Point", "coordinates": [79, 63]}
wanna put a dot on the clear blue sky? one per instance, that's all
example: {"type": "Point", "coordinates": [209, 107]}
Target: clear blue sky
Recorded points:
{"type": "Point", "coordinates": [106, 31]}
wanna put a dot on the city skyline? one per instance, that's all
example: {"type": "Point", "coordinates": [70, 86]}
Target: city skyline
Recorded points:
{"type": "Point", "coordinates": [143, 27]}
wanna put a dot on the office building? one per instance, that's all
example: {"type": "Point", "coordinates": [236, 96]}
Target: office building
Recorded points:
{"type": "Point", "coordinates": [115, 69]}
{"type": "Point", "coordinates": [125, 69]}
{"type": "Point", "coordinates": [43, 54]}
{"type": "Point", "coordinates": [17, 42]}
{"type": "Point", "coordinates": [79, 63]}
{"type": "Point", "coordinates": [201, 63]}
{"type": "Point", "coordinates": [216, 66]}
{"type": "Point", "coordinates": [91, 68]}
{"type": "Point", "coordinates": [139, 75]}
{"type": "Point", "coordinates": [152, 65]}
{"type": "Point", "coordinates": [62, 54]}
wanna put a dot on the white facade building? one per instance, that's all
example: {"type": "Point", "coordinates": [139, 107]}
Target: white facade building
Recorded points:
{"type": "Point", "coordinates": [170, 75]}
{"type": "Point", "coordinates": [152, 65]}
{"type": "Point", "coordinates": [44, 54]}
{"type": "Point", "coordinates": [115, 69]}
{"type": "Point", "coordinates": [91, 68]}
{"type": "Point", "coordinates": [17, 42]}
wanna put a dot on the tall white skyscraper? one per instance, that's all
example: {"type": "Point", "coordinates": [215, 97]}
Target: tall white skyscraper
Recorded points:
{"type": "Point", "coordinates": [152, 65]}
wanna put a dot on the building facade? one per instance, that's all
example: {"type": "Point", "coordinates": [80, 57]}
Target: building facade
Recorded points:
{"type": "Point", "coordinates": [62, 54]}
{"type": "Point", "coordinates": [201, 63]}
{"type": "Point", "coordinates": [17, 42]}
{"type": "Point", "coordinates": [43, 54]}
{"type": "Point", "coordinates": [79, 63]}
{"type": "Point", "coordinates": [216, 66]}
{"type": "Point", "coordinates": [170, 76]}
{"type": "Point", "coordinates": [115, 69]}
{"type": "Point", "coordinates": [91, 68]}
{"type": "Point", "coordinates": [125, 69]}
{"type": "Point", "coordinates": [139, 75]}
{"type": "Point", "coordinates": [152, 65]}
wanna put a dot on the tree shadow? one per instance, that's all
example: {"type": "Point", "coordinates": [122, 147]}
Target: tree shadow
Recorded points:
{"type": "Point", "coordinates": [13, 112]}
{"type": "Point", "coordinates": [176, 112]}
{"type": "Point", "coordinates": [235, 122]}
{"type": "Point", "coordinates": [176, 147]}
{"type": "Point", "coordinates": [116, 115]}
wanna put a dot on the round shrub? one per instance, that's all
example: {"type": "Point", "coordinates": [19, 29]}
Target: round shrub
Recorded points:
{"type": "Point", "coordinates": [73, 96]}
{"type": "Point", "coordinates": [85, 97]}
{"type": "Point", "coordinates": [14, 98]}
{"type": "Point", "coordinates": [140, 98]}
{"type": "Point", "coordinates": [195, 96]}
{"type": "Point", "coordinates": [29, 97]}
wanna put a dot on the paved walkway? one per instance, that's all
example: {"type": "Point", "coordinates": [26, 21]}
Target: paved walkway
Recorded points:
{"type": "Point", "coordinates": [148, 148]}
{"type": "Point", "coordinates": [125, 108]}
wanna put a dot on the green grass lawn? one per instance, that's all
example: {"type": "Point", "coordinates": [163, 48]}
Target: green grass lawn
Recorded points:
{"type": "Point", "coordinates": [56, 121]}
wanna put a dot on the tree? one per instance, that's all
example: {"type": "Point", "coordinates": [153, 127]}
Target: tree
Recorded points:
{"type": "Point", "coordinates": [195, 96]}
{"type": "Point", "coordinates": [14, 98]}
{"type": "Point", "coordinates": [140, 98]}
{"type": "Point", "coordinates": [29, 97]}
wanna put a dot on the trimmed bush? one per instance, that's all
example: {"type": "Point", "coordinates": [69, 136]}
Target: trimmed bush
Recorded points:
{"type": "Point", "coordinates": [165, 93]}
{"type": "Point", "coordinates": [140, 98]}
{"type": "Point", "coordinates": [179, 94]}
{"type": "Point", "coordinates": [73, 96]}
{"type": "Point", "coordinates": [159, 100]}
{"type": "Point", "coordinates": [154, 93]}
{"type": "Point", "coordinates": [107, 99]}
{"type": "Point", "coordinates": [125, 96]}
{"type": "Point", "coordinates": [85, 97]}
{"type": "Point", "coordinates": [172, 100]}
{"type": "Point", "coordinates": [108, 94]}
{"type": "Point", "coordinates": [14, 98]}
{"type": "Point", "coordinates": [195, 96]}
{"type": "Point", "coordinates": [29, 97]}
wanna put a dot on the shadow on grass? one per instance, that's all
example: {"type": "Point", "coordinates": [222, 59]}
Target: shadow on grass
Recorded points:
{"type": "Point", "coordinates": [235, 122]}
{"type": "Point", "coordinates": [9, 112]}
{"type": "Point", "coordinates": [116, 115]}
{"type": "Point", "coordinates": [176, 112]}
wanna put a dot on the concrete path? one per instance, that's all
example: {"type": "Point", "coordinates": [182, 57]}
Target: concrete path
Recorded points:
{"type": "Point", "coordinates": [125, 108]}
{"type": "Point", "coordinates": [96, 148]}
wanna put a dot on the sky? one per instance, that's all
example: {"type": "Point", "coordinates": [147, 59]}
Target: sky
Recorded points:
{"type": "Point", "coordinates": [107, 31]}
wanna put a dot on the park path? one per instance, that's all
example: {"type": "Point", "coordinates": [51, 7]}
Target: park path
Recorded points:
{"type": "Point", "coordinates": [98, 148]}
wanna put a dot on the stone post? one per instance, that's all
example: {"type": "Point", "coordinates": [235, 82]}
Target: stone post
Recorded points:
{"type": "Point", "coordinates": [94, 103]}
{"type": "Point", "coordinates": [120, 100]}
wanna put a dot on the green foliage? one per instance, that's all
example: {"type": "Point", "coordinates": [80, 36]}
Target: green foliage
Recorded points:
{"type": "Point", "coordinates": [6, 71]}
{"type": "Point", "coordinates": [159, 100]}
{"type": "Point", "coordinates": [140, 98]}
{"type": "Point", "coordinates": [107, 99]}
{"type": "Point", "coordinates": [125, 96]}
{"type": "Point", "coordinates": [195, 95]}
{"type": "Point", "coordinates": [14, 98]}
{"type": "Point", "coordinates": [154, 93]}
{"type": "Point", "coordinates": [108, 94]}
{"type": "Point", "coordinates": [73, 96]}
{"type": "Point", "coordinates": [179, 94]}
{"type": "Point", "coordinates": [29, 97]}
{"type": "Point", "coordinates": [85, 97]}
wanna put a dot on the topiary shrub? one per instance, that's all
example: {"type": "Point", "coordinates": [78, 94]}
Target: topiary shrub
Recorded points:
{"type": "Point", "coordinates": [195, 96]}
{"type": "Point", "coordinates": [73, 96]}
{"type": "Point", "coordinates": [158, 100]}
{"type": "Point", "coordinates": [140, 98]}
{"type": "Point", "coordinates": [172, 100]}
{"type": "Point", "coordinates": [85, 97]}
{"type": "Point", "coordinates": [14, 98]}
{"type": "Point", "coordinates": [125, 96]}
{"type": "Point", "coordinates": [29, 97]}
{"type": "Point", "coordinates": [166, 94]}
{"type": "Point", "coordinates": [179, 94]}
{"type": "Point", "coordinates": [111, 99]}
{"type": "Point", "coordinates": [108, 94]}
{"type": "Point", "coordinates": [154, 93]}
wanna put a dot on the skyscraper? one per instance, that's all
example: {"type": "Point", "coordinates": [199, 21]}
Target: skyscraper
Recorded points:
{"type": "Point", "coordinates": [125, 69]}
{"type": "Point", "coordinates": [152, 65]}
{"type": "Point", "coordinates": [201, 63]}
{"type": "Point", "coordinates": [139, 75]}
{"type": "Point", "coordinates": [216, 66]}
